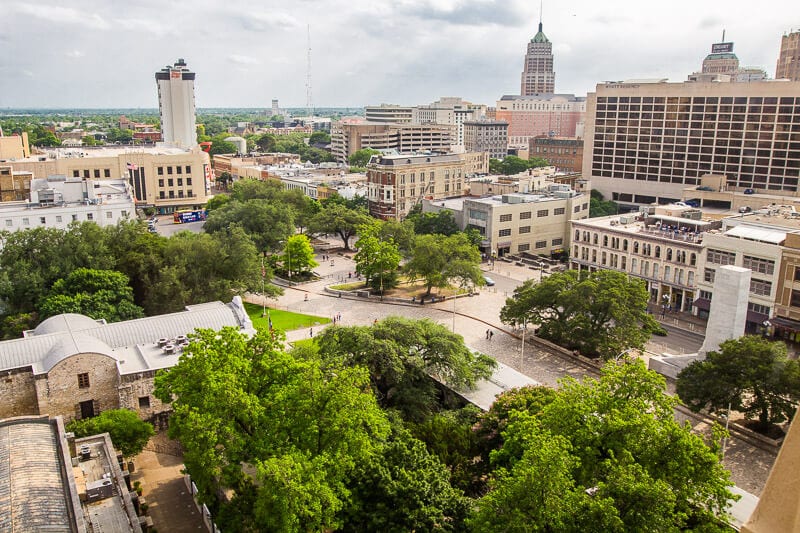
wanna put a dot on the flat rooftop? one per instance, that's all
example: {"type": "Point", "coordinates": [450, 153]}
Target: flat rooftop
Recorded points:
{"type": "Point", "coordinates": [74, 153]}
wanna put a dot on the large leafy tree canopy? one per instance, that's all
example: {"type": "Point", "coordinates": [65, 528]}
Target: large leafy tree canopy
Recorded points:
{"type": "Point", "coordinates": [338, 219]}
{"type": "Point", "coordinates": [298, 255]}
{"type": "Point", "coordinates": [302, 426]}
{"type": "Point", "coordinates": [128, 432]}
{"type": "Point", "coordinates": [514, 165]}
{"type": "Point", "coordinates": [750, 374]}
{"type": "Point", "coordinates": [95, 293]}
{"type": "Point", "coordinates": [441, 260]}
{"type": "Point", "coordinates": [361, 157]}
{"type": "Point", "coordinates": [401, 354]}
{"type": "Point", "coordinates": [165, 274]}
{"type": "Point", "coordinates": [600, 313]}
{"type": "Point", "coordinates": [377, 259]}
{"type": "Point", "coordinates": [604, 455]}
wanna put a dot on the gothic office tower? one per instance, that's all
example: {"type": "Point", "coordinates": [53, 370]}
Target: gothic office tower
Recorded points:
{"type": "Point", "coordinates": [537, 73]}
{"type": "Point", "coordinates": [176, 104]}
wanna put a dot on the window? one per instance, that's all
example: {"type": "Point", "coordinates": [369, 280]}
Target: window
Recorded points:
{"type": "Point", "coordinates": [693, 260]}
{"type": "Point", "coordinates": [706, 295]}
{"type": "Point", "coordinates": [90, 216]}
{"type": "Point", "coordinates": [179, 169]}
{"type": "Point", "coordinates": [504, 232]}
{"type": "Point", "coordinates": [636, 247]}
{"type": "Point", "coordinates": [523, 247]}
{"type": "Point", "coordinates": [161, 182]}
{"type": "Point", "coordinates": [97, 173]}
{"type": "Point", "coordinates": [160, 171]}
{"type": "Point", "coordinates": [76, 173]}
{"type": "Point", "coordinates": [557, 242]}
{"type": "Point", "coordinates": [559, 211]}
{"type": "Point", "coordinates": [124, 214]}
{"type": "Point", "coordinates": [170, 182]}
{"type": "Point", "coordinates": [525, 216]}
{"type": "Point", "coordinates": [760, 287]}
{"type": "Point", "coordinates": [188, 169]}
{"type": "Point", "coordinates": [106, 173]}
{"type": "Point", "coordinates": [144, 402]}
{"type": "Point", "coordinates": [505, 218]}
{"type": "Point", "coordinates": [658, 252]}
{"type": "Point", "coordinates": [758, 308]}
{"type": "Point", "coordinates": [524, 229]}
{"type": "Point", "coordinates": [719, 257]}
{"type": "Point", "coordinates": [58, 218]}
{"type": "Point", "coordinates": [83, 380]}
{"type": "Point", "coordinates": [26, 222]}
{"type": "Point", "coordinates": [188, 181]}
{"type": "Point", "coordinates": [42, 220]}
{"type": "Point", "coordinates": [605, 240]}
{"type": "Point", "coordinates": [795, 301]}
{"type": "Point", "coordinates": [109, 214]}
{"type": "Point", "coordinates": [74, 218]}
{"type": "Point", "coordinates": [577, 209]}
{"type": "Point", "coordinates": [161, 194]}
{"type": "Point", "coordinates": [709, 274]}
{"type": "Point", "coordinates": [541, 244]}
{"type": "Point", "coordinates": [756, 264]}
{"type": "Point", "coordinates": [172, 194]}
{"type": "Point", "coordinates": [633, 265]}
{"type": "Point", "coordinates": [542, 212]}
{"type": "Point", "coordinates": [169, 170]}
{"type": "Point", "coordinates": [189, 193]}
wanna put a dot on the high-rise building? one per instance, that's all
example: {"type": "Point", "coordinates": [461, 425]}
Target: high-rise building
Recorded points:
{"type": "Point", "coordinates": [348, 136]}
{"type": "Point", "coordinates": [722, 65]}
{"type": "Point", "coordinates": [789, 58]}
{"type": "Point", "coordinates": [648, 141]}
{"type": "Point", "coordinates": [276, 109]}
{"type": "Point", "coordinates": [176, 104]}
{"type": "Point", "coordinates": [388, 114]}
{"type": "Point", "coordinates": [490, 136]}
{"type": "Point", "coordinates": [537, 72]}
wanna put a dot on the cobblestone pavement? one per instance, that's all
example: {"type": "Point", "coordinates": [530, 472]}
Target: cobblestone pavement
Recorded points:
{"type": "Point", "coordinates": [749, 465]}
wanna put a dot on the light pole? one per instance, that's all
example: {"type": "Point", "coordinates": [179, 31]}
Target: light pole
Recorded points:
{"type": "Point", "coordinates": [522, 349]}
{"type": "Point", "coordinates": [263, 294]}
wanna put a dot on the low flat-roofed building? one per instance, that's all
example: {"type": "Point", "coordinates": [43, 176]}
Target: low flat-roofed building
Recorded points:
{"type": "Point", "coordinates": [57, 201]}
{"type": "Point", "coordinates": [14, 146]}
{"type": "Point", "coordinates": [518, 223]}
{"type": "Point", "coordinates": [76, 367]}
{"type": "Point", "coordinates": [14, 185]}
{"type": "Point", "coordinates": [564, 153]}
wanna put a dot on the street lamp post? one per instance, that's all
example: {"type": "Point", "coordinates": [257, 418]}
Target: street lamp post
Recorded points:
{"type": "Point", "coordinates": [263, 293]}
{"type": "Point", "coordinates": [522, 349]}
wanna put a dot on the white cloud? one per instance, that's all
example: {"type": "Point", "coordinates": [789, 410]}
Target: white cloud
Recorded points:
{"type": "Point", "coordinates": [62, 15]}
{"type": "Point", "coordinates": [242, 60]}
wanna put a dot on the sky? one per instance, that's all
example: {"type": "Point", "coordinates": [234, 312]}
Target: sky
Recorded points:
{"type": "Point", "coordinates": [104, 53]}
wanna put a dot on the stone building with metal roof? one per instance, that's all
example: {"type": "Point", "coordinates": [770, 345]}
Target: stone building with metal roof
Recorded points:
{"type": "Point", "coordinates": [76, 367]}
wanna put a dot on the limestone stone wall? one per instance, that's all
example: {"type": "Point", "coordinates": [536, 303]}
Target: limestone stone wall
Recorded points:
{"type": "Point", "coordinates": [18, 393]}
{"type": "Point", "coordinates": [58, 391]}
{"type": "Point", "coordinates": [136, 386]}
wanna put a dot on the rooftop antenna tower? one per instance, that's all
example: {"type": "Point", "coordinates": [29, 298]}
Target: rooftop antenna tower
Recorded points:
{"type": "Point", "coordinates": [309, 103]}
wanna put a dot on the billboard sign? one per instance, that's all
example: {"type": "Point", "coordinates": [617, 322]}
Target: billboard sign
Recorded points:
{"type": "Point", "coordinates": [722, 48]}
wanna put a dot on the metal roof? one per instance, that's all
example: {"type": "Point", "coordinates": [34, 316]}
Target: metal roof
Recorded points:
{"type": "Point", "coordinates": [67, 336]}
{"type": "Point", "coordinates": [757, 234]}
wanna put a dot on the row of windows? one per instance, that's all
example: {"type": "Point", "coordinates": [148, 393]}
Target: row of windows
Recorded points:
{"type": "Point", "coordinates": [178, 170]}
{"type": "Point", "coordinates": [431, 176]}
{"type": "Point", "coordinates": [641, 268]}
{"type": "Point", "coordinates": [758, 287]}
{"type": "Point", "coordinates": [84, 383]}
{"type": "Point", "coordinates": [697, 100]}
{"type": "Point", "coordinates": [616, 243]}
{"type": "Point", "coordinates": [59, 219]}
{"type": "Point", "coordinates": [162, 195]}
{"type": "Point", "coordinates": [171, 182]}
{"type": "Point", "coordinates": [89, 173]}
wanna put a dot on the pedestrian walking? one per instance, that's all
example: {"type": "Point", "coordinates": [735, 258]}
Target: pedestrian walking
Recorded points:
{"type": "Point", "coordinates": [339, 317]}
{"type": "Point", "coordinates": [487, 334]}
{"type": "Point", "coordinates": [491, 334]}
{"type": "Point", "coordinates": [311, 332]}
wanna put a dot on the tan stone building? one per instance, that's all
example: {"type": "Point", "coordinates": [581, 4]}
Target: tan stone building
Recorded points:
{"type": "Point", "coordinates": [349, 136]}
{"type": "Point", "coordinates": [519, 223]}
{"type": "Point", "coordinates": [646, 141]}
{"type": "Point", "coordinates": [242, 166]}
{"type": "Point", "coordinates": [76, 367]}
{"type": "Point", "coordinates": [396, 183]}
{"type": "Point", "coordinates": [789, 58]}
{"type": "Point", "coordinates": [14, 186]}
{"type": "Point", "coordinates": [166, 178]}
{"type": "Point", "coordinates": [14, 146]}
{"type": "Point", "coordinates": [661, 246]}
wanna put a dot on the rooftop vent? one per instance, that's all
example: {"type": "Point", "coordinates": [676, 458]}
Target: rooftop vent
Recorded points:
{"type": "Point", "coordinates": [169, 348]}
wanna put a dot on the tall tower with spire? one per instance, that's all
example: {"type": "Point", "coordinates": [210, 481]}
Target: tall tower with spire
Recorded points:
{"type": "Point", "coordinates": [537, 72]}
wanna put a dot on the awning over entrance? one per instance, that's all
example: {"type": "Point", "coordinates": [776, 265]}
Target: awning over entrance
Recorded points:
{"type": "Point", "coordinates": [785, 323]}
{"type": "Point", "coordinates": [702, 303]}
{"type": "Point", "coordinates": [757, 318]}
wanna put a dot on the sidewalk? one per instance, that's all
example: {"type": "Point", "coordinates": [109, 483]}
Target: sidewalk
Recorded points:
{"type": "Point", "coordinates": [678, 319]}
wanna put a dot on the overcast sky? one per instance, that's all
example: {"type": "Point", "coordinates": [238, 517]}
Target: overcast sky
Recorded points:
{"type": "Point", "coordinates": [104, 53]}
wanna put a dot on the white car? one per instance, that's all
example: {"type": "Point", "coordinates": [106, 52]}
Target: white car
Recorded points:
{"type": "Point", "coordinates": [489, 281]}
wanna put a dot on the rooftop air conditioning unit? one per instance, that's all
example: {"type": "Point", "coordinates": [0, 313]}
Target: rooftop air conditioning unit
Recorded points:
{"type": "Point", "coordinates": [99, 489]}
{"type": "Point", "coordinates": [163, 341]}
{"type": "Point", "coordinates": [169, 349]}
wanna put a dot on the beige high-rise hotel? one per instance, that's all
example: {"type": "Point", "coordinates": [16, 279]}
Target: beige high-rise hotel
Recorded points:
{"type": "Point", "coordinates": [647, 141]}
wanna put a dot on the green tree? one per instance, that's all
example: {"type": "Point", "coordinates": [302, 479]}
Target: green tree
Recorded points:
{"type": "Point", "coordinates": [128, 432]}
{"type": "Point", "coordinates": [404, 488]}
{"type": "Point", "coordinates": [750, 375]}
{"type": "Point", "coordinates": [440, 260]}
{"type": "Point", "coordinates": [266, 223]}
{"type": "Point", "coordinates": [224, 179]}
{"type": "Point", "coordinates": [377, 260]}
{"type": "Point", "coordinates": [400, 232]}
{"type": "Point", "coordinates": [361, 157]}
{"type": "Point", "coordinates": [401, 354]}
{"type": "Point", "coordinates": [241, 405]}
{"type": "Point", "coordinates": [89, 140]}
{"type": "Point", "coordinates": [266, 143]}
{"type": "Point", "coordinates": [441, 222]}
{"type": "Point", "coordinates": [94, 293]}
{"type": "Point", "coordinates": [319, 137]}
{"type": "Point", "coordinates": [593, 459]}
{"type": "Point", "coordinates": [298, 255]}
{"type": "Point", "coordinates": [601, 208]}
{"type": "Point", "coordinates": [600, 313]}
{"type": "Point", "coordinates": [116, 135]}
{"type": "Point", "coordinates": [338, 219]}
{"type": "Point", "coordinates": [514, 165]}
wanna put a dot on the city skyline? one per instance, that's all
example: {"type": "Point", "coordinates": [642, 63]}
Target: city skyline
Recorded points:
{"type": "Point", "coordinates": [409, 52]}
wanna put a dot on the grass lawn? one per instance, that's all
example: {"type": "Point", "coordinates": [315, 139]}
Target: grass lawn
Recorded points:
{"type": "Point", "coordinates": [283, 320]}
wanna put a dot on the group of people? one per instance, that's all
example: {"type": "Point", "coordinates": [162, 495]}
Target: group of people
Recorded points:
{"type": "Point", "coordinates": [489, 334]}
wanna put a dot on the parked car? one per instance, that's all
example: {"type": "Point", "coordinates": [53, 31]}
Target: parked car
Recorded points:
{"type": "Point", "coordinates": [489, 281]}
{"type": "Point", "coordinates": [745, 209]}
{"type": "Point", "coordinates": [749, 191]}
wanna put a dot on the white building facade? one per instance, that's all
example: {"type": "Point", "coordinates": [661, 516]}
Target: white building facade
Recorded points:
{"type": "Point", "coordinates": [176, 105]}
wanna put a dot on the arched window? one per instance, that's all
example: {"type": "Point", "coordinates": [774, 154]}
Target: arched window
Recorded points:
{"type": "Point", "coordinates": [693, 260]}
{"type": "Point", "coordinates": [636, 247]}
{"type": "Point", "coordinates": [577, 234]}
{"type": "Point", "coordinates": [605, 240]}
{"type": "Point", "coordinates": [658, 252]}
{"type": "Point", "coordinates": [669, 254]}
{"type": "Point", "coordinates": [666, 273]}
{"type": "Point", "coordinates": [624, 245]}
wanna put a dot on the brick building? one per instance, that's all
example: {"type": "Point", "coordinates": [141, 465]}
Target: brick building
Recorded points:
{"type": "Point", "coordinates": [564, 153]}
